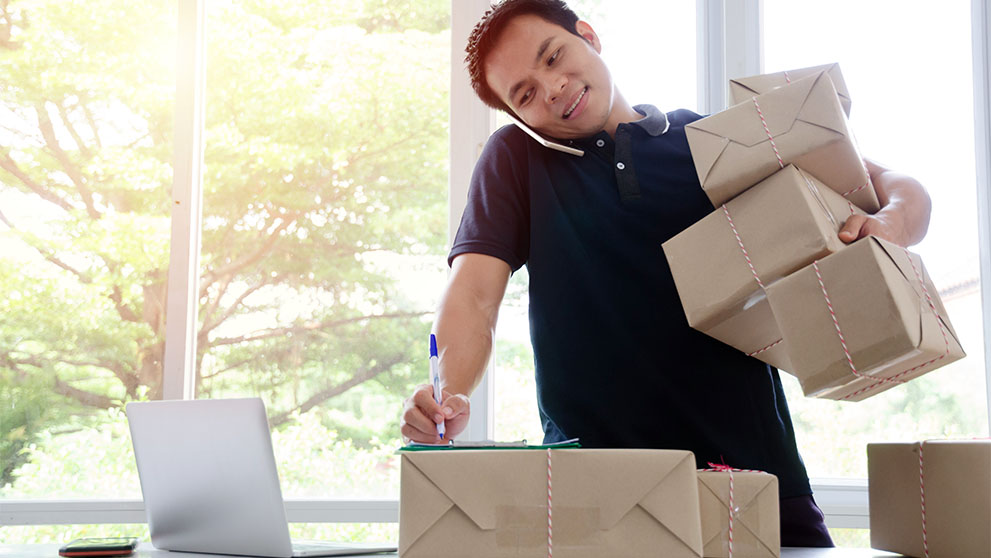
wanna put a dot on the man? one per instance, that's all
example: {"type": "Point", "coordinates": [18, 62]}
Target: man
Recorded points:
{"type": "Point", "coordinates": [616, 363]}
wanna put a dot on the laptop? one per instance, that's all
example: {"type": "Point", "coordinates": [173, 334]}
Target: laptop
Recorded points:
{"type": "Point", "coordinates": [210, 483]}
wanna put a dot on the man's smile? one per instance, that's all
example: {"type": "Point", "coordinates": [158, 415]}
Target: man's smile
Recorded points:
{"type": "Point", "coordinates": [574, 104]}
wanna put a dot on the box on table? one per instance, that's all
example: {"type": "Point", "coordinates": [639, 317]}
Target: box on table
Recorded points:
{"type": "Point", "coordinates": [955, 479]}
{"type": "Point", "coordinates": [783, 223]}
{"type": "Point", "coordinates": [801, 123]}
{"type": "Point", "coordinates": [742, 89]}
{"type": "Point", "coordinates": [868, 320]}
{"type": "Point", "coordinates": [632, 503]}
{"type": "Point", "coordinates": [756, 520]}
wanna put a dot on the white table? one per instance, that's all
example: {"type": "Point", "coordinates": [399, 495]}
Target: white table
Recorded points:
{"type": "Point", "coordinates": [145, 550]}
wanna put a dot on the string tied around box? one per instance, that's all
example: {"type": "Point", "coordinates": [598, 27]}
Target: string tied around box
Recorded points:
{"type": "Point", "coordinates": [846, 351]}
{"type": "Point", "coordinates": [723, 468]}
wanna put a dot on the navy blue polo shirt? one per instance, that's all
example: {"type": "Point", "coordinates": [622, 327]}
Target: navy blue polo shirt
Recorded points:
{"type": "Point", "coordinates": [616, 363]}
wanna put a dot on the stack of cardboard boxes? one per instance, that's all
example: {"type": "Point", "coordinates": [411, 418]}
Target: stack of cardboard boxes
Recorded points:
{"type": "Point", "coordinates": [489, 503]}
{"type": "Point", "coordinates": [766, 272]}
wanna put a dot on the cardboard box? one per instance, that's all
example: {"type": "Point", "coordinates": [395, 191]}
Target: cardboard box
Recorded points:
{"type": "Point", "coordinates": [954, 477]}
{"type": "Point", "coordinates": [742, 89]}
{"type": "Point", "coordinates": [805, 125]}
{"type": "Point", "coordinates": [756, 520]}
{"type": "Point", "coordinates": [779, 226]}
{"type": "Point", "coordinates": [494, 503]}
{"type": "Point", "coordinates": [884, 323]}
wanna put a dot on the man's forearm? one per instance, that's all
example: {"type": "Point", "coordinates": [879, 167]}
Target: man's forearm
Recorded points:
{"type": "Point", "coordinates": [466, 321]}
{"type": "Point", "coordinates": [905, 204]}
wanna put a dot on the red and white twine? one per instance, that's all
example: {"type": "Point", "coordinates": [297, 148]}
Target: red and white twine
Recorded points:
{"type": "Point", "coordinates": [768, 132]}
{"type": "Point", "coordinates": [762, 349]}
{"type": "Point", "coordinates": [836, 323]}
{"type": "Point", "coordinates": [731, 503]}
{"type": "Point", "coordinates": [550, 509]}
{"type": "Point", "coordinates": [743, 248]}
{"type": "Point", "coordinates": [839, 332]}
{"type": "Point", "coordinates": [922, 497]}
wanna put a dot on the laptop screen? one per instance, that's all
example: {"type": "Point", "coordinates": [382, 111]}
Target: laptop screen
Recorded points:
{"type": "Point", "coordinates": [208, 476]}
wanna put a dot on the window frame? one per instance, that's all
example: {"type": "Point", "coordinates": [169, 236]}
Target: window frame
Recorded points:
{"type": "Point", "coordinates": [730, 42]}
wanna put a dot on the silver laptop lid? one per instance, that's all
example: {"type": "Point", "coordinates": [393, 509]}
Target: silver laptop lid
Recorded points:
{"type": "Point", "coordinates": [208, 476]}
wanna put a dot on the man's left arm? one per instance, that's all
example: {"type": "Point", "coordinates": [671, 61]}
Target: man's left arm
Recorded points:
{"type": "Point", "coordinates": [905, 208]}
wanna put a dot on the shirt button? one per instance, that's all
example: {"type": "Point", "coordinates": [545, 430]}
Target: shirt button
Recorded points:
{"type": "Point", "coordinates": [600, 142]}
{"type": "Point", "coordinates": [620, 165]}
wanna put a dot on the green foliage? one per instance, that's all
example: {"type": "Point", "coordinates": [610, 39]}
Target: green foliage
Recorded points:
{"type": "Point", "coordinates": [326, 155]}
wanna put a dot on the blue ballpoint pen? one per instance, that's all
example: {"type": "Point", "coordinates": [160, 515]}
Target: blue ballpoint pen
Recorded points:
{"type": "Point", "coordinates": [435, 377]}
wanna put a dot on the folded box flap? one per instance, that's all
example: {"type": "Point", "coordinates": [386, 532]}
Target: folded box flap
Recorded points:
{"type": "Point", "coordinates": [662, 482]}
{"type": "Point", "coordinates": [914, 271]}
{"type": "Point", "coordinates": [747, 499]}
{"type": "Point", "coordinates": [706, 148]}
{"type": "Point", "coordinates": [741, 124]}
{"type": "Point", "coordinates": [423, 504]}
{"type": "Point", "coordinates": [821, 106]}
{"type": "Point", "coordinates": [473, 479]}
{"type": "Point", "coordinates": [749, 86]}
{"type": "Point", "coordinates": [811, 100]}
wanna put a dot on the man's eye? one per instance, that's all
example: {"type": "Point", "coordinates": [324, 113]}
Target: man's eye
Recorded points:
{"type": "Point", "coordinates": [553, 57]}
{"type": "Point", "coordinates": [526, 96]}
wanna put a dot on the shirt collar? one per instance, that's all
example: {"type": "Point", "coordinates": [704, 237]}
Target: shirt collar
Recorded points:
{"type": "Point", "coordinates": [654, 121]}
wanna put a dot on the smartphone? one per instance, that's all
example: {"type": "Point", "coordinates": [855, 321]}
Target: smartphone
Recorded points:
{"type": "Point", "coordinates": [100, 546]}
{"type": "Point", "coordinates": [544, 141]}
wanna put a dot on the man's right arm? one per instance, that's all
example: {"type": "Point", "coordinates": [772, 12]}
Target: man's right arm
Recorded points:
{"type": "Point", "coordinates": [465, 328]}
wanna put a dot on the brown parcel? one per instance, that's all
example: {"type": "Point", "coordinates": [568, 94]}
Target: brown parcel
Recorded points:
{"type": "Point", "coordinates": [888, 317]}
{"type": "Point", "coordinates": [784, 223]}
{"type": "Point", "coordinates": [756, 524]}
{"type": "Point", "coordinates": [493, 503]}
{"type": "Point", "coordinates": [957, 481]}
{"type": "Point", "coordinates": [733, 150]}
{"type": "Point", "coordinates": [742, 89]}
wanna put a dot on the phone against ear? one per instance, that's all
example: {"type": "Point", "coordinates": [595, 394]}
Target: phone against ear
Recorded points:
{"type": "Point", "coordinates": [101, 546]}
{"type": "Point", "coordinates": [544, 141]}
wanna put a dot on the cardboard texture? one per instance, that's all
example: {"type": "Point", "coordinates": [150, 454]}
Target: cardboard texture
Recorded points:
{"type": "Point", "coordinates": [733, 150]}
{"type": "Point", "coordinates": [493, 503]}
{"type": "Point", "coordinates": [785, 222]}
{"type": "Point", "coordinates": [957, 480]}
{"type": "Point", "coordinates": [742, 89]}
{"type": "Point", "coordinates": [756, 522]}
{"type": "Point", "coordinates": [887, 309]}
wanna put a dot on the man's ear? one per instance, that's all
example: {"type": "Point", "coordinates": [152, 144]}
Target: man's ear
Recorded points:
{"type": "Point", "coordinates": [587, 33]}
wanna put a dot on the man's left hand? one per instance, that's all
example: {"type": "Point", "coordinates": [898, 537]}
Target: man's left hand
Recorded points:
{"type": "Point", "coordinates": [905, 208]}
{"type": "Point", "coordinates": [889, 225]}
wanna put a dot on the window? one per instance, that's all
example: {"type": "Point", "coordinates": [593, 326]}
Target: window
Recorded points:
{"type": "Point", "coordinates": [323, 226]}
{"type": "Point", "coordinates": [85, 170]}
{"type": "Point", "coordinates": [912, 111]}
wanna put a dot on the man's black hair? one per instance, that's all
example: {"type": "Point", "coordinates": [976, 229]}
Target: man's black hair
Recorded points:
{"type": "Point", "coordinates": [487, 30]}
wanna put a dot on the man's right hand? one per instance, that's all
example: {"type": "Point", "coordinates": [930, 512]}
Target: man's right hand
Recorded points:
{"type": "Point", "coordinates": [421, 415]}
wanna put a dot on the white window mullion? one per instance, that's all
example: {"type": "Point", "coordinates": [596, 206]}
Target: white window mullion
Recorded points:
{"type": "Point", "coordinates": [471, 124]}
{"type": "Point", "coordinates": [187, 195]}
{"type": "Point", "coordinates": [981, 27]}
{"type": "Point", "coordinates": [711, 56]}
{"type": "Point", "coordinates": [730, 45]}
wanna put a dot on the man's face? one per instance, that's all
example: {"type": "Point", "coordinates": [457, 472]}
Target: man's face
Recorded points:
{"type": "Point", "coordinates": [555, 81]}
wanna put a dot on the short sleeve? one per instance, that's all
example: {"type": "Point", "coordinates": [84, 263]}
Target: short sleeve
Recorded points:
{"type": "Point", "coordinates": [496, 219]}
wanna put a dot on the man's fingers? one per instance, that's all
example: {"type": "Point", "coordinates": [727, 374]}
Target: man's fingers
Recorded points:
{"type": "Point", "coordinates": [852, 229]}
{"type": "Point", "coordinates": [423, 398]}
{"type": "Point", "coordinates": [415, 424]}
{"type": "Point", "coordinates": [454, 405]}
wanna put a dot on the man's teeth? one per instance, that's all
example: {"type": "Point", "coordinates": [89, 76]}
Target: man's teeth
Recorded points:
{"type": "Point", "coordinates": [571, 109]}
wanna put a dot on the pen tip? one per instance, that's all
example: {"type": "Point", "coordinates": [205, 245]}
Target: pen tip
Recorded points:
{"type": "Point", "coordinates": [433, 345]}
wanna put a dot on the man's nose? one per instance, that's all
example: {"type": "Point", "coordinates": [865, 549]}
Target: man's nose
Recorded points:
{"type": "Point", "coordinates": [554, 86]}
